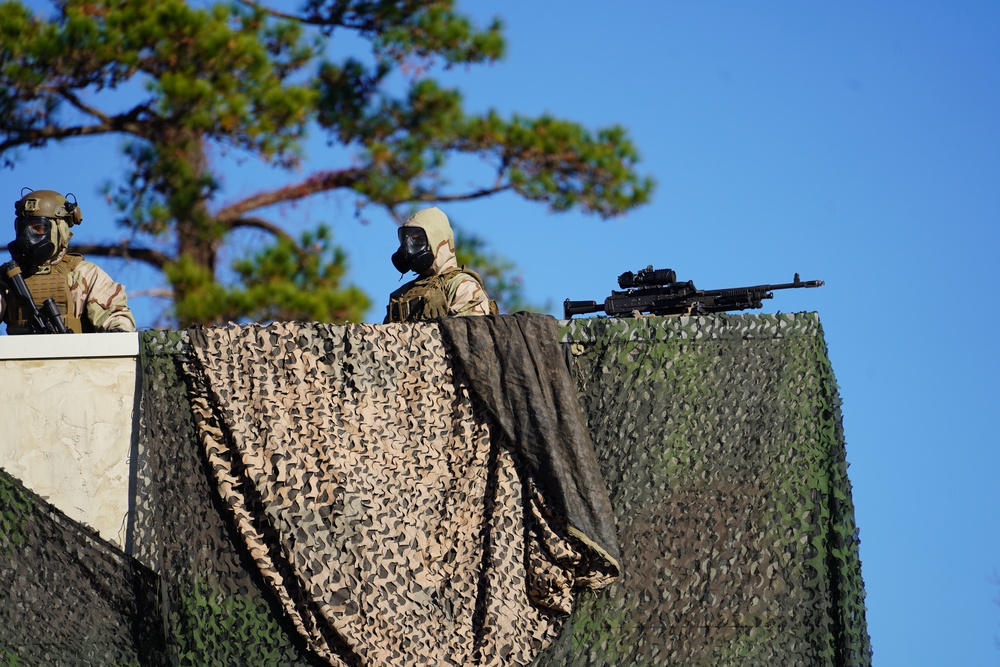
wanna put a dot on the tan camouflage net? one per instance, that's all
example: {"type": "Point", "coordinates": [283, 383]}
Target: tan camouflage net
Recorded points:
{"type": "Point", "coordinates": [394, 530]}
{"type": "Point", "coordinates": [720, 438]}
{"type": "Point", "coordinates": [216, 610]}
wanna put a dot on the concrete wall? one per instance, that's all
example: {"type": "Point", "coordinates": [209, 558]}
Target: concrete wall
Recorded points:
{"type": "Point", "coordinates": [67, 431]}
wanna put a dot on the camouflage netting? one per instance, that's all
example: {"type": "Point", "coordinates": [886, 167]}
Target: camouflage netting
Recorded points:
{"type": "Point", "coordinates": [719, 438]}
{"type": "Point", "coordinates": [67, 597]}
{"type": "Point", "coordinates": [217, 610]}
{"type": "Point", "coordinates": [721, 441]}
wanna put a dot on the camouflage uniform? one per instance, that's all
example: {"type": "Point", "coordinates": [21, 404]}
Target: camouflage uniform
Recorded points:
{"type": "Point", "coordinates": [445, 289]}
{"type": "Point", "coordinates": [87, 298]}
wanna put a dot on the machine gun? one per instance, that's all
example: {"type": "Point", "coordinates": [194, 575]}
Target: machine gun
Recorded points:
{"type": "Point", "coordinates": [44, 320]}
{"type": "Point", "coordinates": [658, 292]}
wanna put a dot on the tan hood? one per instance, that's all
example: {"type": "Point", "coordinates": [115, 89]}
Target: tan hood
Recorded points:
{"type": "Point", "coordinates": [61, 235]}
{"type": "Point", "coordinates": [440, 238]}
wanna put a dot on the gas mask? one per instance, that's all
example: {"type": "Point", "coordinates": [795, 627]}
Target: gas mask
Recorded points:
{"type": "Point", "coordinates": [33, 244]}
{"type": "Point", "coordinates": [414, 253]}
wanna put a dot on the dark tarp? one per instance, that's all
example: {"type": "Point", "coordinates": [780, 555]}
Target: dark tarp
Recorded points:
{"type": "Point", "coordinates": [518, 374]}
{"type": "Point", "coordinates": [68, 597]}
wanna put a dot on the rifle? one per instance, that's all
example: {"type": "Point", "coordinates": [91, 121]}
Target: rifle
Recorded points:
{"type": "Point", "coordinates": [658, 292]}
{"type": "Point", "coordinates": [40, 321]}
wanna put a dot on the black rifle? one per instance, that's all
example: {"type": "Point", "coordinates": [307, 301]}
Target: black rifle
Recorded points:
{"type": "Point", "coordinates": [658, 292]}
{"type": "Point", "coordinates": [40, 321]}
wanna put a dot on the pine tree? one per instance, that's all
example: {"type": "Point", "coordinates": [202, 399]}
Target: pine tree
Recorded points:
{"type": "Point", "coordinates": [247, 78]}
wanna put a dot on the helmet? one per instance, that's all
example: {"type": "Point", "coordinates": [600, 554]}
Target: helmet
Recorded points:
{"type": "Point", "coordinates": [48, 204]}
{"type": "Point", "coordinates": [42, 226]}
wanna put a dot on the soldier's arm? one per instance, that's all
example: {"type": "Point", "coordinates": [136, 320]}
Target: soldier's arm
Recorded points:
{"type": "Point", "coordinates": [106, 303]}
{"type": "Point", "coordinates": [470, 299]}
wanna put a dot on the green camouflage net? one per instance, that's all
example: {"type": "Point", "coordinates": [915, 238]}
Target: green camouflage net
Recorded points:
{"type": "Point", "coordinates": [721, 441]}
{"type": "Point", "coordinates": [67, 597]}
{"type": "Point", "coordinates": [217, 610]}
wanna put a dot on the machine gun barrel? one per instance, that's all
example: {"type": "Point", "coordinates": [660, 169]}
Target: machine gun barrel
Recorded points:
{"type": "Point", "coordinates": [796, 283]}
{"type": "Point", "coordinates": [571, 308]}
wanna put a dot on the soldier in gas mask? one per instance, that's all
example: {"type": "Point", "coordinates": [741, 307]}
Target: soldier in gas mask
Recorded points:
{"type": "Point", "coordinates": [87, 298]}
{"type": "Point", "coordinates": [442, 288]}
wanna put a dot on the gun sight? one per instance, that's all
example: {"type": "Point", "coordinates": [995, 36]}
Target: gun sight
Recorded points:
{"type": "Point", "coordinates": [646, 277]}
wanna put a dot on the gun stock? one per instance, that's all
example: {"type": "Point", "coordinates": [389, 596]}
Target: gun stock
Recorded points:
{"type": "Point", "coordinates": [53, 319]}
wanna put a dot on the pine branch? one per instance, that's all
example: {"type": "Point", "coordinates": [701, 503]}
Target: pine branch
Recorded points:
{"type": "Point", "coordinates": [321, 182]}
{"type": "Point", "coordinates": [154, 258]}
{"type": "Point", "coordinates": [260, 223]}
{"type": "Point", "coordinates": [478, 194]}
{"type": "Point", "coordinates": [39, 136]}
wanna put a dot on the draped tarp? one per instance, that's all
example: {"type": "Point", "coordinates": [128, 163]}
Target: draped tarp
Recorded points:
{"type": "Point", "coordinates": [394, 527]}
{"type": "Point", "coordinates": [721, 442]}
{"type": "Point", "coordinates": [517, 372]}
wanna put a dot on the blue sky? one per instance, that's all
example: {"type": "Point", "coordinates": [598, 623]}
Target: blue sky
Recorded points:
{"type": "Point", "coordinates": [857, 143]}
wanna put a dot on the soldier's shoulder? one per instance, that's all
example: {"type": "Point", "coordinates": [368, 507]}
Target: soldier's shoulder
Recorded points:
{"type": "Point", "coordinates": [459, 276]}
{"type": "Point", "coordinates": [79, 263]}
{"type": "Point", "coordinates": [86, 266]}
{"type": "Point", "coordinates": [73, 260]}
{"type": "Point", "coordinates": [402, 289]}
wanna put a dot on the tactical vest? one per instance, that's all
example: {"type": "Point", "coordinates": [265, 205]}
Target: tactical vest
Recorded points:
{"type": "Point", "coordinates": [49, 282]}
{"type": "Point", "coordinates": [428, 298]}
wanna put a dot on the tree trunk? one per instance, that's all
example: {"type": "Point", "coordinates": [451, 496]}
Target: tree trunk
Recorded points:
{"type": "Point", "coordinates": [187, 185]}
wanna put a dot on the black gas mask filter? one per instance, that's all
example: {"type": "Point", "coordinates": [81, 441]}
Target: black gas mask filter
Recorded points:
{"type": "Point", "coordinates": [414, 253]}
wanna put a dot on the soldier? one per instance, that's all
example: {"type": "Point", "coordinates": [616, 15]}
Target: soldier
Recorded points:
{"type": "Point", "coordinates": [87, 298]}
{"type": "Point", "coordinates": [442, 288]}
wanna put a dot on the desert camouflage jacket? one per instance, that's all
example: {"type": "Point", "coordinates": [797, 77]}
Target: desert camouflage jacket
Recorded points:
{"type": "Point", "coordinates": [87, 297]}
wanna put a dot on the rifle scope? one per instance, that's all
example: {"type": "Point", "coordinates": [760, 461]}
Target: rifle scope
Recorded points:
{"type": "Point", "coordinates": [647, 276]}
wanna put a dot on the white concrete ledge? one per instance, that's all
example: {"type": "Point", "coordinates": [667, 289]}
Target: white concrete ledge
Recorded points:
{"type": "Point", "coordinates": [69, 346]}
{"type": "Point", "coordinates": [70, 407]}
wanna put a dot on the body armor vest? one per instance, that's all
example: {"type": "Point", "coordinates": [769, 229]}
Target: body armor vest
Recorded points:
{"type": "Point", "coordinates": [50, 282]}
{"type": "Point", "coordinates": [428, 298]}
